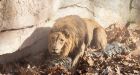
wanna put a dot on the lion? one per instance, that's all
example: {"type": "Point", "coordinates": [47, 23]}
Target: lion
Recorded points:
{"type": "Point", "coordinates": [71, 35]}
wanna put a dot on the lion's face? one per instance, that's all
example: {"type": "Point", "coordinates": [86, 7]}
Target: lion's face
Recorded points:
{"type": "Point", "coordinates": [56, 41]}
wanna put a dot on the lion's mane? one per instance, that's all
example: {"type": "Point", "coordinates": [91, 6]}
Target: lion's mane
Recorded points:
{"type": "Point", "coordinates": [74, 28]}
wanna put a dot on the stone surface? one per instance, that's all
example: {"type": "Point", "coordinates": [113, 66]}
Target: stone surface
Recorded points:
{"type": "Point", "coordinates": [19, 20]}
{"type": "Point", "coordinates": [135, 11]}
{"type": "Point", "coordinates": [108, 12]}
{"type": "Point", "coordinates": [22, 13]}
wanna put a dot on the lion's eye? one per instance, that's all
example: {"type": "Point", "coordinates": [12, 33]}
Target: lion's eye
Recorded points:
{"type": "Point", "coordinates": [53, 37]}
{"type": "Point", "coordinates": [61, 40]}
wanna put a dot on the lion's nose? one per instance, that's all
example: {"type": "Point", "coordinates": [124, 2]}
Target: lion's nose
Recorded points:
{"type": "Point", "coordinates": [54, 50]}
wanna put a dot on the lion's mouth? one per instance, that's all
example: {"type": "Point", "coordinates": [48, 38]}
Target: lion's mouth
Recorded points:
{"type": "Point", "coordinates": [54, 53]}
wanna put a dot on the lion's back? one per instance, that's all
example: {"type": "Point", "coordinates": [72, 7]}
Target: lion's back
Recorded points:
{"type": "Point", "coordinates": [73, 24]}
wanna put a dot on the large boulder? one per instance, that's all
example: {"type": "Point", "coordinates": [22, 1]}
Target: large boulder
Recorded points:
{"type": "Point", "coordinates": [19, 19]}
{"type": "Point", "coordinates": [135, 11]}
{"type": "Point", "coordinates": [109, 12]}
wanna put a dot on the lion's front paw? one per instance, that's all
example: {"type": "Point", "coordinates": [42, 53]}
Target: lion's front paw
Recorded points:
{"type": "Point", "coordinates": [56, 62]}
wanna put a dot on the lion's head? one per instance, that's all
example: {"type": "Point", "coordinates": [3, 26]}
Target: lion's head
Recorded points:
{"type": "Point", "coordinates": [65, 34]}
{"type": "Point", "coordinates": [59, 44]}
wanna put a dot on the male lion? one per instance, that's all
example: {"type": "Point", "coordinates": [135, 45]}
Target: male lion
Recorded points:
{"type": "Point", "coordinates": [70, 36]}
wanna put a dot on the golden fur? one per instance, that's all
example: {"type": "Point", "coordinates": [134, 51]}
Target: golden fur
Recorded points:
{"type": "Point", "coordinates": [78, 32]}
{"type": "Point", "coordinates": [66, 26]}
{"type": "Point", "coordinates": [97, 36]}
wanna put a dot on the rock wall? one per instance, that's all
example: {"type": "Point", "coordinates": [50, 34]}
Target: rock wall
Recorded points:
{"type": "Point", "coordinates": [19, 19]}
{"type": "Point", "coordinates": [135, 11]}
{"type": "Point", "coordinates": [23, 23]}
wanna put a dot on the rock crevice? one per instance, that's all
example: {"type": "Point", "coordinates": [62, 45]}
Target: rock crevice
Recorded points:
{"type": "Point", "coordinates": [14, 29]}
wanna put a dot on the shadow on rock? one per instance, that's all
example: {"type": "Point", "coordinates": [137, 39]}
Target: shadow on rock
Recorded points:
{"type": "Point", "coordinates": [32, 50]}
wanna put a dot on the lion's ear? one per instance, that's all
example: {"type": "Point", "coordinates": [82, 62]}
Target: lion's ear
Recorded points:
{"type": "Point", "coordinates": [66, 33]}
{"type": "Point", "coordinates": [51, 30]}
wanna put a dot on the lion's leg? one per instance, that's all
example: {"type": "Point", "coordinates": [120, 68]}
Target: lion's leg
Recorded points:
{"type": "Point", "coordinates": [78, 55]}
{"type": "Point", "coordinates": [100, 38]}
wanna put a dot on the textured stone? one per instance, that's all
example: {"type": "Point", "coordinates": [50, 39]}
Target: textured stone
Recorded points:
{"type": "Point", "coordinates": [30, 45]}
{"type": "Point", "coordinates": [20, 19]}
{"type": "Point", "coordinates": [135, 4]}
{"type": "Point", "coordinates": [75, 7]}
{"type": "Point", "coordinates": [22, 13]}
{"type": "Point", "coordinates": [11, 41]}
{"type": "Point", "coordinates": [135, 11]}
{"type": "Point", "coordinates": [108, 12]}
